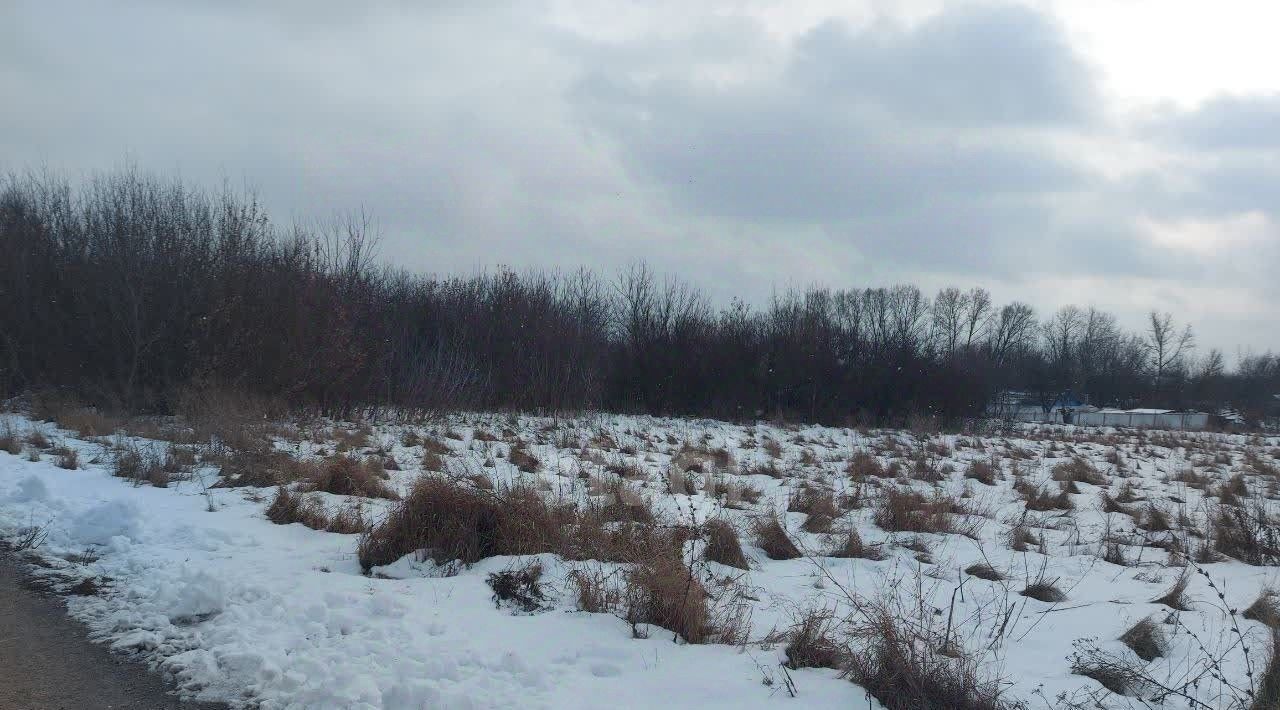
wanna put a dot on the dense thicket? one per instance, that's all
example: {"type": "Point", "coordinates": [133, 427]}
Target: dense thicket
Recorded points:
{"type": "Point", "coordinates": [131, 291]}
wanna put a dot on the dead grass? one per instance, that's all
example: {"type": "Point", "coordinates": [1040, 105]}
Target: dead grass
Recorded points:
{"type": "Point", "coordinates": [1045, 591]}
{"type": "Point", "coordinates": [519, 587]}
{"type": "Point", "coordinates": [1247, 533]}
{"type": "Point", "coordinates": [907, 510]}
{"type": "Point", "coordinates": [723, 546]}
{"type": "Point", "coordinates": [812, 642]}
{"type": "Point", "coordinates": [260, 468]}
{"type": "Point", "coordinates": [665, 593]}
{"type": "Point", "coordinates": [66, 458]}
{"type": "Point", "coordinates": [523, 460]}
{"type": "Point", "coordinates": [1265, 609]}
{"type": "Point", "coordinates": [9, 441]}
{"type": "Point", "coordinates": [347, 476]}
{"type": "Point", "coordinates": [772, 537]}
{"type": "Point", "coordinates": [851, 546]}
{"type": "Point", "coordinates": [982, 472]}
{"type": "Point", "coordinates": [290, 507]}
{"type": "Point", "coordinates": [906, 672]}
{"type": "Point", "coordinates": [1079, 470]}
{"type": "Point", "coordinates": [864, 465]}
{"type": "Point", "coordinates": [1146, 639]}
{"type": "Point", "coordinates": [1176, 597]}
{"type": "Point", "coordinates": [982, 570]}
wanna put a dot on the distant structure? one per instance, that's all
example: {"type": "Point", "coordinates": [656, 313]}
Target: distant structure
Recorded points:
{"type": "Point", "coordinates": [1067, 408]}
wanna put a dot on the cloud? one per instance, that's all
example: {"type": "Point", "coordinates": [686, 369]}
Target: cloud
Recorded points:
{"type": "Point", "coordinates": [955, 146]}
{"type": "Point", "coordinates": [983, 65]}
{"type": "Point", "coordinates": [1226, 123]}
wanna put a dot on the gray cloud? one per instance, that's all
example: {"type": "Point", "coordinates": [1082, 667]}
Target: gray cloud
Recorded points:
{"type": "Point", "coordinates": [984, 65]}
{"type": "Point", "coordinates": [1226, 123]}
{"type": "Point", "coordinates": [481, 133]}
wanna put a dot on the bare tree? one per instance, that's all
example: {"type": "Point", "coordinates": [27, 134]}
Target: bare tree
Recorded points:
{"type": "Point", "coordinates": [1167, 347]}
{"type": "Point", "coordinates": [978, 315]}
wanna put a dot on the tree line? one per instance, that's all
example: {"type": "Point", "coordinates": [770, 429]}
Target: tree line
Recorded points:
{"type": "Point", "coordinates": [131, 291]}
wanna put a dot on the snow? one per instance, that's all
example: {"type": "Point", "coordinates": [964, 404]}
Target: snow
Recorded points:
{"type": "Point", "coordinates": [232, 607]}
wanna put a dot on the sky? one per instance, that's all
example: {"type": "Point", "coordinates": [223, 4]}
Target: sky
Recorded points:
{"type": "Point", "coordinates": [1123, 154]}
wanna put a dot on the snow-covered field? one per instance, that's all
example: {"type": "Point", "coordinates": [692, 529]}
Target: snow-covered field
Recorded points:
{"type": "Point", "coordinates": [194, 577]}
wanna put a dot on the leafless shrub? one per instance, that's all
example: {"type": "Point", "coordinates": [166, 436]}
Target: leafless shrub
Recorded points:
{"type": "Point", "coordinates": [722, 544]}
{"type": "Point", "coordinates": [772, 537]}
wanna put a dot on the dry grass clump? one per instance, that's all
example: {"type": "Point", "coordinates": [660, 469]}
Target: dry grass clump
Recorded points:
{"type": "Point", "coordinates": [66, 457]}
{"type": "Point", "coordinates": [523, 460]}
{"type": "Point", "coordinates": [1020, 538]}
{"type": "Point", "coordinates": [1176, 597]}
{"type": "Point", "coordinates": [1265, 609]}
{"type": "Point", "coordinates": [982, 570]}
{"type": "Point", "coordinates": [1040, 499]}
{"type": "Point", "coordinates": [1267, 695]}
{"type": "Point", "coordinates": [852, 546]}
{"type": "Point", "coordinates": [907, 510]}
{"type": "Point", "coordinates": [1248, 533]}
{"type": "Point", "coordinates": [260, 468]}
{"type": "Point", "coordinates": [1079, 470]}
{"type": "Point", "coordinates": [519, 587]}
{"type": "Point", "coordinates": [1115, 674]}
{"type": "Point", "coordinates": [1045, 591]}
{"type": "Point", "coordinates": [9, 441]}
{"type": "Point", "coordinates": [811, 642]}
{"type": "Point", "coordinates": [290, 507]}
{"type": "Point", "coordinates": [906, 672]}
{"type": "Point", "coordinates": [982, 472]}
{"type": "Point", "coordinates": [723, 546]}
{"type": "Point", "coordinates": [347, 476]}
{"type": "Point", "coordinates": [664, 592]}
{"type": "Point", "coordinates": [1146, 639]}
{"type": "Point", "coordinates": [38, 440]}
{"type": "Point", "coordinates": [1232, 490]}
{"type": "Point", "coordinates": [772, 537]}
{"type": "Point", "coordinates": [452, 521]}
{"type": "Point", "coordinates": [135, 464]}
{"type": "Point", "coordinates": [1154, 519]}
{"type": "Point", "coordinates": [864, 464]}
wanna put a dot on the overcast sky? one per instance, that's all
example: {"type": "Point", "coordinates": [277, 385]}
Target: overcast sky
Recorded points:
{"type": "Point", "coordinates": [1117, 153]}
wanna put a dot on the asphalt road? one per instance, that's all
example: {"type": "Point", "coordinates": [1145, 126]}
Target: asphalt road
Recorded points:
{"type": "Point", "coordinates": [46, 663]}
